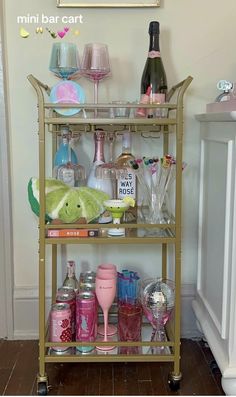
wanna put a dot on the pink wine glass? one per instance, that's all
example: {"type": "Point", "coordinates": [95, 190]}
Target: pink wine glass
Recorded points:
{"type": "Point", "coordinates": [105, 288]}
{"type": "Point", "coordinates": [107, 270]}
{"type": "Point", "coordinates": [95, 64]}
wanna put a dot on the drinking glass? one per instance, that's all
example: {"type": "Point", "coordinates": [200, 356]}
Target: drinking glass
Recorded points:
{"type": "Point", "coordinates": [95, 64]}
{"type": "Point", "coordinates": [129, 326]}
{"type": "Point", "coordinates": [107, 270]}
{"type": "Point", "coordinates": [105, 288]}
{"type": "Point", "coordinates": [64, 60]}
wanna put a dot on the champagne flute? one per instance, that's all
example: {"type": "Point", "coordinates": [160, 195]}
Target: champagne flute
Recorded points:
{"type": "Point", "coordinates": [105, 288]}
{"type": "Point", "coordinates": [107, 270]}
{"type": "Point", "coordinates": [95, 64]}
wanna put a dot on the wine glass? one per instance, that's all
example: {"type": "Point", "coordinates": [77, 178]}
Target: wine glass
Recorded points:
{"type": "Point", "coordinates": [64, 60]}
{"type": "Point", "coordinates": [107, 270]}
{"type": "Point", "coordinates": [158, 298]}
{"type": "Point", "coordinates": [95, 64]}
{"type": "Point", "coordinates": [105, 288]}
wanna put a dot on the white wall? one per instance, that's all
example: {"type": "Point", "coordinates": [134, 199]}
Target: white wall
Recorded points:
{"type": "Point", "coordinates": [197, 38]}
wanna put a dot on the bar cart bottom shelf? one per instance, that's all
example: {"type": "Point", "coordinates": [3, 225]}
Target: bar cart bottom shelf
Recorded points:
{"type": "Point", "coordinates": [119, 354]}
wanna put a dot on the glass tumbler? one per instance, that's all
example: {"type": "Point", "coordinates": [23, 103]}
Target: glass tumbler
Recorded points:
{"type": "Point", "coordinates": [129, 326]}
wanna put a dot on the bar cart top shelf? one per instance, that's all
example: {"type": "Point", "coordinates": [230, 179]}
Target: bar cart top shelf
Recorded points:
{"type": "Point", "coordinates": [86, 115]}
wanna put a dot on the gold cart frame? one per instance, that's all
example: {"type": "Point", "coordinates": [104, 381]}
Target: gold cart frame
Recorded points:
{"type": "Point", "coordinates": [107, 4]}
{"type": "Point", "coordinates": [171, 123]}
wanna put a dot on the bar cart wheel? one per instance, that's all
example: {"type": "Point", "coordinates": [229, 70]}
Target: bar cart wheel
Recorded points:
{"type": "Point", "coordinates": [174, 381]}
{"type": "Point", "coordinates": [42, 385]}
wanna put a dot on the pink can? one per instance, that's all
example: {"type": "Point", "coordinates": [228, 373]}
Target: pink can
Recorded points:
{"type": "Point", "coordinates": [60, 325]}
{"type": "Point", "coordinates": [86, 320]}
{"type": "Point", "coordinates": [67, 295]}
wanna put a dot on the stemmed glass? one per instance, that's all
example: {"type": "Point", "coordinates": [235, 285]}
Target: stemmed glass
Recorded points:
{"type": "Point", "coordinates": [64, 60]}
{"type": "Point", "coordinates": [65, 64]}
{"type": "Point", "coordinates": [158, 299]}
{"type": "Point", "coordinates": [95, 64]}
{"type": "Point", "coordinates": [108, 270]}
{"type": "Point", "coordinates": [105, 288]}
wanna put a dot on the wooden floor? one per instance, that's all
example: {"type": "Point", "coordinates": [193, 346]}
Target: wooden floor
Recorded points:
{"type": "Point", "coordinates": [19, 366]}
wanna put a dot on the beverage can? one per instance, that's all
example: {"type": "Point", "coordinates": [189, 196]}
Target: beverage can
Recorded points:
{"type": "Point", "coordinates": [87, 281]}
{"type": "Point", "coordinates": [60, 325]}
{"type": "Point", "coordinates": [67, 295]}
{"type": "Point", "coordinates": [86, 320]}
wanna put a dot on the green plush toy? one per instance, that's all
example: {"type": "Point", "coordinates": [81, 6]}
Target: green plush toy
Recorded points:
{"type": "Point", "coordinates": [67, 204]}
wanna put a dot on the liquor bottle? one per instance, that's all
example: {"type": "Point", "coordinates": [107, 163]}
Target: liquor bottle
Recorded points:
{"type": "Point", "coordinates": [71, 280]}
{"type": "Point", "coordinates": [93, 181]}
{"type": "Point", "coordinates": [153, 83]}
{"type": "Point", "coordinates": [66, 166]}
{"type": "Point", "coordinates": [126, 183]}
{"type": "Point", "coordinates": [62, 154]}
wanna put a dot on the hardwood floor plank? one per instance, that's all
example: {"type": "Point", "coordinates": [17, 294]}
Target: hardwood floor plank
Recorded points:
{"type": "Point", "coordinates": [73, 379]}
{"type": "Point", "coordinates": [94, 373]}
{"type": "Point", "coordinates": [158, 382]}
{"type": "Point", "coordinates": [9, 352]}
{"type": "Point", "coordinates": [5, 374]}
{"type": "Point", "coordinates": [211, 361]}
{"type": "Point", "coordinates": [119, 382]}
{"type": "Point", "coordinates": [24, 371]}
{"type": "Point", "coordinates": [209, 383]}
{"type": "Point", "coordinates": [131, 379]}
{"type": "Point", "coordinates": [145, 388]}
{"type": "Point", "coordinates": [106, 383]}
{"type": "Point", "coordinates": [189, 367]}
{"type": "Point", "coordinates": [143, 371]}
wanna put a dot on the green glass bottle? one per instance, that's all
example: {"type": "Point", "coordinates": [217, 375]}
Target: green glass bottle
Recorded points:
{"type": "Point", "coordinates": [153, 83]}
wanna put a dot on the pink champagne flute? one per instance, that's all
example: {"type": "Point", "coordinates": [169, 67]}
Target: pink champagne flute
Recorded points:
{"type": "Point", "coordinates": [105, 288]}
{"type": "Point", "coordinates": [95, 65]}
{"type": "Point", "coordinates": [107, 269]}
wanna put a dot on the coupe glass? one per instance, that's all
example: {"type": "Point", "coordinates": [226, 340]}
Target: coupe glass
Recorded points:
{"type": "Point", "coordinates": [95, 64]}
{"type": "Point", "coordinates": [105, 288]}
{"type": "Point", "coordinates": [158, 298]}
{"type": "Point", "coordinates": [64, 60]}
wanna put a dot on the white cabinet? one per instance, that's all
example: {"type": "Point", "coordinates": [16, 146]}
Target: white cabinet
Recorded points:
{"type": "Point", "coordinates": [215, 303]}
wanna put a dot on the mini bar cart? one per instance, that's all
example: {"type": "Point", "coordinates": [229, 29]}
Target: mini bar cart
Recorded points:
{"type": "Point", "coordinates": [172, 123]}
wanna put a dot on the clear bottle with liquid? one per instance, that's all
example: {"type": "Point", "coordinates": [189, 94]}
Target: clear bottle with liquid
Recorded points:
{"type": "Point", "coordinates": [71, 280]}
{"type": "Point", "coordinates": [126, 183]}
{"type": "Point", "coordinates": [66, 167]}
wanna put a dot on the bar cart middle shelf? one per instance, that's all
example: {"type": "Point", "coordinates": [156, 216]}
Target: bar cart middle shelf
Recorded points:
{"type": "Point", "coordinates": [171, 122]}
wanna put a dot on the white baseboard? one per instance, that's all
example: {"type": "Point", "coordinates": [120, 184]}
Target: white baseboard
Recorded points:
{"type": "Point", "coordinates": [26, 312]}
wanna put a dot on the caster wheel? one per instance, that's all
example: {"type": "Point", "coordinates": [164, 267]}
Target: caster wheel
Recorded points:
{"type": "Point", "coordinates": [174, 385]}
{"type": "Point", "coordinates": [174, 382]}
{"type": "Point", "coordinates": [42, 389]}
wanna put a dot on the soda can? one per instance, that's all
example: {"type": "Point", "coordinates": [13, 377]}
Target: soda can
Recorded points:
{"type": "Point", "coordinates": [67, 295]}
{"type": "Point", "coordinates": [87, 281]}
{"type": "Point", "coordinates": [60, 325]}
{"type": "Point", "coordinates": [86, 320]}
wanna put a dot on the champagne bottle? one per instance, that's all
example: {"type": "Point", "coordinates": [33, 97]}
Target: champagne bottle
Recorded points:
{"type": "Point", "coordinates": [99, 183]}
{"type": "Point", "coordinates": [126, 184]}
{"type": "Point", "coordinates": [71, 280]}
{"type": "Point", "coordinates": [153, 83]}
